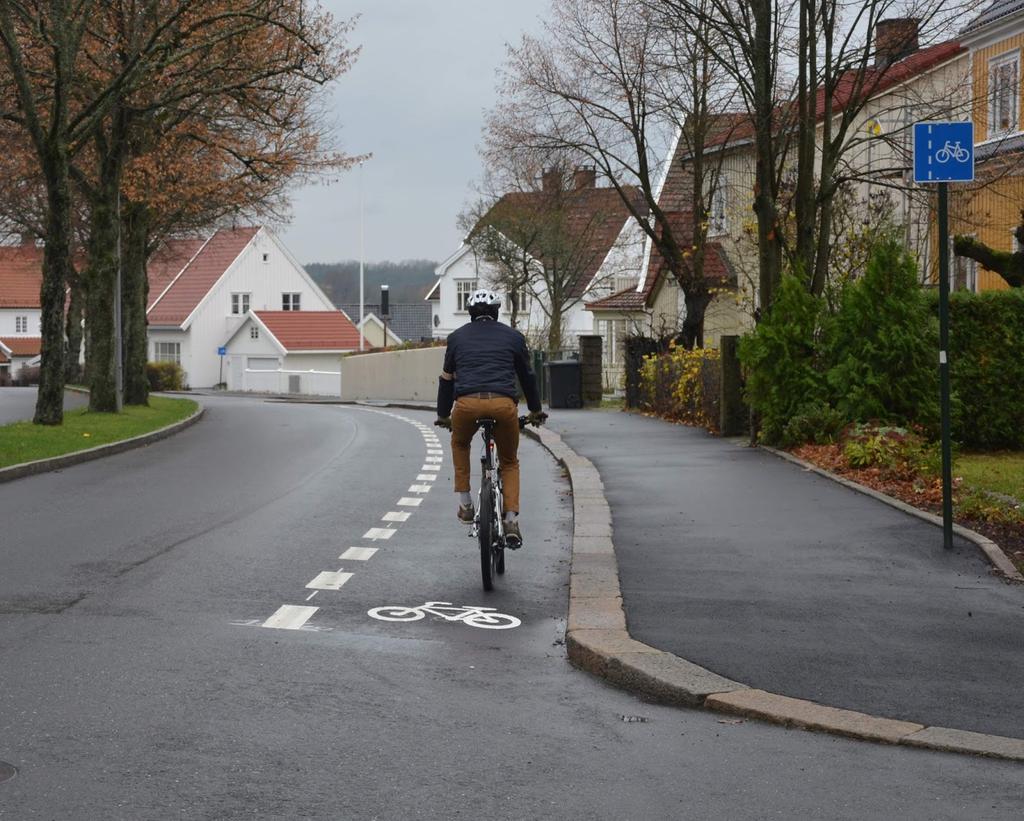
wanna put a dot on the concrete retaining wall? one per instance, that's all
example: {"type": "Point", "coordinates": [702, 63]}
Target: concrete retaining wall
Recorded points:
{"type": "Point", "coordinates": [409, 376]}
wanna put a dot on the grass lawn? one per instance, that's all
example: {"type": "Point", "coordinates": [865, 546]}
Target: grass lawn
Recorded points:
{"type": "Point", "coordinates": [25, 442]}
{"type": "Point", "coordinates": [999, 472]}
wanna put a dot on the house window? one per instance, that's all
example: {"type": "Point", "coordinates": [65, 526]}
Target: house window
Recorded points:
{"type": "Point", "coordinates": [522, 301]}
{"type": "Point", "coordinates": [1004, 93]}
{"type": "Point", "coordinates": [254, 332]}
{"type": "Point", "coordinates": [167, 352]}
{"type": "Point", "coordinates": [240, 303]}
{"type": "Point", "coordinates": [266, 257]}
{"type": "Point", "coordinates": [291, 302]}
{"type": "Point", "coordinates": [464, 288]}
{"type": "Point", "coordinates": [21, 324]}
{"type": "Point", "coordinates": [717, 223]}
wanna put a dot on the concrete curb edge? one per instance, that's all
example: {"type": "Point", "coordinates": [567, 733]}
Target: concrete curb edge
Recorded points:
{"type": "Point", "coordinates": [598, 640]}
{"type": "Point", "coordinates": [1000, 561]}
{"type": "Point", "coordinates": [20, 471]}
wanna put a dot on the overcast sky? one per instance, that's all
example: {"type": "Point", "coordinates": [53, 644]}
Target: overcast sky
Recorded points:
{"type": "Point", "coordinates": [415, 100]}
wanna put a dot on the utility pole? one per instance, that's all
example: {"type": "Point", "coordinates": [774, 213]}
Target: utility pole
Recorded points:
{"type": "Point", "coordinates": [361, 292]}
{"type": "Point", "coordinates": [118, 322]}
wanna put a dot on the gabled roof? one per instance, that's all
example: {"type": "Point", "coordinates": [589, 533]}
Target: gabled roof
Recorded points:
{"type": "Point", "coordinates": [595, 213]}
{"type": "Point", "coordinates": [21, 276]}
{"type": "Point", "coordinates": [408, 320]}
{"type": "Point", "coordinates": [999, 10]}
{"type": "Point", "coordinates": [307, 331]}
{"type": "Point", "coordinates": [182, 292]}
{"type": "Point", "coordinates": [22, 345]}
{"type": "Point", "coordinates": [877, 80]}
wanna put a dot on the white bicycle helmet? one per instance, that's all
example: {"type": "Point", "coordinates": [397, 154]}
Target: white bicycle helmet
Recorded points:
{"type": "Point", "coordinates": [483, 303]}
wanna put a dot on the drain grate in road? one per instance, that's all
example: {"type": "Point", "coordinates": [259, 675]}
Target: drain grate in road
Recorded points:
{"type": "Point", "coordinates": [7, 771]}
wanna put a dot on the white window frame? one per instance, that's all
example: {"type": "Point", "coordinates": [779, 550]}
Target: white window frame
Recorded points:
{"type": "Point", "coordinates": [464, 289]}
{"type": "Point", "coordinates": [523, 300]}
{"type": "Point", "coordinates": [718, 211]}
{"type": "Point", "coordinates": [167, 352]}
{"type": "Point", "coordinates": [1010, 58]}
{"type": "Point", "coordinates": [241, 301]}
{"type": "Point", "coordinates": [21, 324]}
{"type": "Point", "coordinates": [291, 301]}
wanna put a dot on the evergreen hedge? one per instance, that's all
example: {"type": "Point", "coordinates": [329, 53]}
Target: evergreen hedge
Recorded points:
{"type": "Point", "coordinates": [986, 341]}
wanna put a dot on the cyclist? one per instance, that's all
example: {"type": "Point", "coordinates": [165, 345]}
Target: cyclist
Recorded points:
{"type": "Point", "coordinates": [481, 364]}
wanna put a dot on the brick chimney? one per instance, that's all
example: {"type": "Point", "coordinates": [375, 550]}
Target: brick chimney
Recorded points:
{"type": "Point", "coordinates": [584, 177]}
{"type": "Point", "coordinates": [895, 39]}
{"type": "Point", "coordinates": [551, 180]}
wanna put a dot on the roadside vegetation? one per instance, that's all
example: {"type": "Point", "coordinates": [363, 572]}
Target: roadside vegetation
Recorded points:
{"type": "Point", "coordinates": [82, 429]}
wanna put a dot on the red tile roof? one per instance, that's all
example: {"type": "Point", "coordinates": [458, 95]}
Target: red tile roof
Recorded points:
{"type": "Point", "coordinates": [21, 276]}
{"type": "Point", "coordinates": [23, 345]}
{"type": "Point", "coordinates": [737, 127]}
{"type": "Point", "coordinates": [311, 330]}
{"type": "Point", "coordinates": [167, 262]}
{"type": "Point", "coordinates": [598, 214]}
{"type": "Point", "coordinates": [193, 283]}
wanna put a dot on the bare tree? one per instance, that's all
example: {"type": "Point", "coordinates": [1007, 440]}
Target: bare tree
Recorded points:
{"type": "Point", "coordinates": [610, 84]}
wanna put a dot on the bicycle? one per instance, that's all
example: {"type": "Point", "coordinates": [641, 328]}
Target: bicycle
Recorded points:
{"type": "Point", "coordinates": [484, 617]}
{"type": "Point", "coordinates": [952, 151]}
{"type": "Point", "coordinates": [489, 522]}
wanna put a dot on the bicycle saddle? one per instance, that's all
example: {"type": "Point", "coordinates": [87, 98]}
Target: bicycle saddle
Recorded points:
{"type": "Point", "coordinates": [485, 420]}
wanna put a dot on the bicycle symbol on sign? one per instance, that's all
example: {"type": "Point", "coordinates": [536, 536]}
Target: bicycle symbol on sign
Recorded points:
{"type": "Point", "coordinates": [952, 151]}
{"type": "Point", "coordinates": [484, 617]}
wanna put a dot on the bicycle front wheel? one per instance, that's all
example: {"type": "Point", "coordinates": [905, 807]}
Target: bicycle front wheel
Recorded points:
{"type": "Point", "coordinates": [485, 530]}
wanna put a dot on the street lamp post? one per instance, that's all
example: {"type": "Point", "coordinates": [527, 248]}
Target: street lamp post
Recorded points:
{"type": "Point", "coordinates": [361, 293]}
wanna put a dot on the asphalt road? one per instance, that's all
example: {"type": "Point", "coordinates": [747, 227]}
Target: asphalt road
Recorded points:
{"type": "Point", "coordinates": [137, 680]}
{"type": "Point", "coordinates": [17, 404]}
{"type": "Point", "coordinates": [784, 580]}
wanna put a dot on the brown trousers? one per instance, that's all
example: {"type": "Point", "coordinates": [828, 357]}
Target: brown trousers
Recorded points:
{"type": "Point", "coordinates": [506, 436]}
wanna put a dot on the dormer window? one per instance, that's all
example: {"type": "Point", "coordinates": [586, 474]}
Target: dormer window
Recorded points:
{"type": "Point", "coordinates": [1004, 94]}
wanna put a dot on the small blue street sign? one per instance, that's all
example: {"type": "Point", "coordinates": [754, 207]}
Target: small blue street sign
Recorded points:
{"type": "Point", "coordinates": [943, 152]}
{"type": "Point", "coordinates": [221, 351]}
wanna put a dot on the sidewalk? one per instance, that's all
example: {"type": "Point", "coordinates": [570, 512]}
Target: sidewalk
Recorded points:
{"type": "Point", "coordinates": [764, 573]}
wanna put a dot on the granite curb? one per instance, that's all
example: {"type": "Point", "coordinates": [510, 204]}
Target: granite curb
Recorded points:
{"type": "Point", "coordinates": [598, 640]}
{"type": "Point", "coordinates": [9, 474]}
{"type": "Point", "coordinates": [994, 553]}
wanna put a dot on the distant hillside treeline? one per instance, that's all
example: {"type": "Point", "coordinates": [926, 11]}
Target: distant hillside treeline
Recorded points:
{"type": "Point", "coordinates": [408, 280]}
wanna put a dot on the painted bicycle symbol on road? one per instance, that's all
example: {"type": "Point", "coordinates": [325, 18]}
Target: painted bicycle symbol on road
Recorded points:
{"type": "Point", "coordinates": [952, 151]}
{"type": "Point", "coordinates": [486, 618]}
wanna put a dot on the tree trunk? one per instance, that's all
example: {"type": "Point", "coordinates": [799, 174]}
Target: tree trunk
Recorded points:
{"type": "Point", "coordinates": [692, 332]}
{"type": "Point", "coordinates": [1010, 266]}
{"type": "Point", "coordinates": [135, 297]}
{"type": "Point", "coordinates": [56, 264]}
{"type": "Point", "coordinates": [102, 279]}
{"type": "Point", "coordinates": [74, 331]}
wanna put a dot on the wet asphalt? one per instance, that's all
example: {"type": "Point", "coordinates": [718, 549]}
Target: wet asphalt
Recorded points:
{"type": "Point", "coordinates": [19, 404]}
{"type": "Point", "coordinates": [136, 680]}
{"type": "Point", "coordinates": [786, 581]}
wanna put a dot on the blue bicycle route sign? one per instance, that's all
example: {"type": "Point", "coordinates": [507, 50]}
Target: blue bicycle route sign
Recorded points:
{"type": "Point", "coordinates": [221, 351]}
{"type": "Point", "coordinates": [943, 152]}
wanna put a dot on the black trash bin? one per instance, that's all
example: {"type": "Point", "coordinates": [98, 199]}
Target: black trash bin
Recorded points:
{"type": "Point", "coordinates": [565, 383]}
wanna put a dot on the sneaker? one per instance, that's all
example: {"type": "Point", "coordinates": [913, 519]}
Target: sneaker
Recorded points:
{"type": "Point", "coordinates": [513, 538]}
{"type": "Point", "coordinates": [466, 514]}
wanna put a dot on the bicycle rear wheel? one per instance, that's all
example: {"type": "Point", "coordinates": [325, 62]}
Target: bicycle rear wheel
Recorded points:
{"type": "Point", "coordinates": [485, 530]}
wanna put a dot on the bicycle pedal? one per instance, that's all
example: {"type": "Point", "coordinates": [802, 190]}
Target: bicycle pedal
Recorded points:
{"type": "Point", "coordinates": [513, 543]}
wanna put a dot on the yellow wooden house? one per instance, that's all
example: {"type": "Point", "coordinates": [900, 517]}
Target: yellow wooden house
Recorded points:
{"type": "Point", "coordinates": [991, 208]}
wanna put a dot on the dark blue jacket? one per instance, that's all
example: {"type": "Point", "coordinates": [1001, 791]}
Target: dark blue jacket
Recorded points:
{"type": "Point", "coordinates": [486, 357]}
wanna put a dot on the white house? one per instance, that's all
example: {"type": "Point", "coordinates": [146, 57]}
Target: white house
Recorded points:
{"type": "Point", "coordinates": [20, 311]}
{"type": "Point", "coordinates": [295, 352]}
{"type": "Point", "coordinates": [202, 290]}
{"type": "Point", "coordinates": [613, 260]}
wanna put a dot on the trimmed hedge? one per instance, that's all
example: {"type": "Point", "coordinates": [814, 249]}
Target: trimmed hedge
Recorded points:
{"type": "Point", "coordinates": [986, 341]}
{"type": "Point", "coordinates": [165, 376]}
{"type": "Point", "coordinates": [683, 385]}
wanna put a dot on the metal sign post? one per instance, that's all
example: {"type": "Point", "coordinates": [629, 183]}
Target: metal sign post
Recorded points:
{"type": "Point", "coordinates": [944, 153]}
{"type": "Point", "coordinates": [221, 350]}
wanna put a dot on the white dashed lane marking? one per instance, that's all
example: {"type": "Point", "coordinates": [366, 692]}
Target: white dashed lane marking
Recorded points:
{"type": "Point", "coordinates": [419, 488]}
{"type": "Point", "coordinates": [396, 516]}
{"type": "Point", "coordinates": [407, 501]}
{"type": "Point", "coordinates": [358, 554]}
{"type": "Point", "coordinates": [329, 580]}
{"type": "Point", "coordinates": [431, 467]}
{"type": "Point", "coordinates": [426, 477]}
{"type": "Point", "coordinates": [290, 617]}
{"type": "Point", "coordinates": [375, 533]}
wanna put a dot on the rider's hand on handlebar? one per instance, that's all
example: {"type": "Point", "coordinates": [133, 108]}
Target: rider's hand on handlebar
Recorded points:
{"type": "Point", "coordinates": [443, 422]}
{"type": "Point", "coordinates": [536, 418]}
